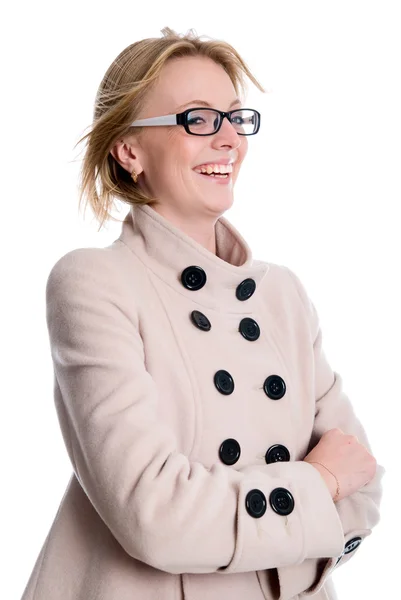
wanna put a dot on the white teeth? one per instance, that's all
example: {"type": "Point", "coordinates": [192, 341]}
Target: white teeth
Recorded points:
{"type": "Point", "coordinates": [214, 168]}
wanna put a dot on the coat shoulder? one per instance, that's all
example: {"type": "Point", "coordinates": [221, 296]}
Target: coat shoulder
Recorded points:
{"type": "Point", "coordinates": [285, 294]}
{"type": "Point", "coordinates": [285, 281]}
{"type": "Point", "coordinates": [101, 262]}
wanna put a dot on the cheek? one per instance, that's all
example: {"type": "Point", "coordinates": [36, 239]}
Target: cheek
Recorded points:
{"type": "Point", "coordinates": [191, 148]}
{"type": "Point", "coordinates": [180, 151]}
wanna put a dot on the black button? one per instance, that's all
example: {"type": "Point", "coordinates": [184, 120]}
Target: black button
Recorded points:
{"type": "Point", "coordinates": [249, 329]}
{"type": "Point", "coordinates": [352, 544]}
{"type": "Point", "coordinates": [245, 289]}
{"type": "Point", "coordinates": [224, 382]}
{"type": "Point", "coordinates": [230, 451]}
{"type": "Point", "coordinates": [277, 453]}
{"type": "Point", "coordinates": [255, 503]}
{"type": "Point", "coordinates": [200, 320]}
{"type": "Point", "coordinates": [193, 278]}
{"type": "Point", "coordinates": [274, 386]}
{"type": "Point", "coordinates": [282, 501]}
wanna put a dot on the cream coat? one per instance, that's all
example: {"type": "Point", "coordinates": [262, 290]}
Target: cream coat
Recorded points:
{"type": "Point", "coordinates": [178, 490]}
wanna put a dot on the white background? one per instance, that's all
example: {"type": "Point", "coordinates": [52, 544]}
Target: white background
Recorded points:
{"type": "Point", "coordinates": [319, 191]}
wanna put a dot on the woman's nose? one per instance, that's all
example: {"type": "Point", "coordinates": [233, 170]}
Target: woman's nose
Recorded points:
{"type": "Point", "coordinates": [227, 135]}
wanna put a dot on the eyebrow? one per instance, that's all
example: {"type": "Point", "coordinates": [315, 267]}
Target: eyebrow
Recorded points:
{"type": "Point", "coordinates": [204, 103]}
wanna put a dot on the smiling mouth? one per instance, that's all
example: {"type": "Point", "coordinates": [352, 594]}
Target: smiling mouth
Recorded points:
{"type": "Point", "coordinates": [217, 170]}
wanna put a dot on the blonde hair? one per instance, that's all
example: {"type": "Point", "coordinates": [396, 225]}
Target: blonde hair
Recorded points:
{"type": "Point", "coordinates": [120, 97]}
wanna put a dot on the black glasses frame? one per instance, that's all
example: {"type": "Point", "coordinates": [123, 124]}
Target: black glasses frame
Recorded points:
{"type": "Point", "coordinates": [183, 116]}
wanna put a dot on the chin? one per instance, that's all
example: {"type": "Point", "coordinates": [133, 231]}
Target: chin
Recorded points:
{"type": "Point", "coordinates": [219, 203]}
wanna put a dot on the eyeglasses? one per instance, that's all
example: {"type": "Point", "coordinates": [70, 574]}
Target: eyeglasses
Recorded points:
{"type": "Point", "coordinates": [207, 121]}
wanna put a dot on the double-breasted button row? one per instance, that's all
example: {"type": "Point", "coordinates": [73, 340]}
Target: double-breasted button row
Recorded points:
{"type": "Point", "coordinates": [273, 386]}
{"type": "Point", "coordinates": [230, 451]}
{"type": "Point", "coordinates": [350, 546]}
{"type": "Point", "coordinates": [194, 278]}
{"type": "Point", "coordinates": [281, 500]}
{"type": "Point", "coordinates": [248, 327]}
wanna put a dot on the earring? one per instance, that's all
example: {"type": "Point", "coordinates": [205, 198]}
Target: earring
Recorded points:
{"type": "Point", "coordinates": [134, 176]}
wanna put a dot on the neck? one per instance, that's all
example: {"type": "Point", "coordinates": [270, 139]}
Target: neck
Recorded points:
{"type": "Point", "coordinates": [199, 227]}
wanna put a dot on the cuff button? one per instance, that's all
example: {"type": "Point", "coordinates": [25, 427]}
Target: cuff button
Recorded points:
{"type": "Point", "coordinates": [282, 501]}
{"type": "Point", "coordinates": [352, 544]}
{"type": "Point", "coordinates": [255, 503]}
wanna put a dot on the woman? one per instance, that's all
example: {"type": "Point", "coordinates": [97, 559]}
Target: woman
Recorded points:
{"type": "Point", "coordinates": [214, 452]}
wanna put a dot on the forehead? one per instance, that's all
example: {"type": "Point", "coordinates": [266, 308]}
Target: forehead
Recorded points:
{"type": "Point", "coordinates": [186, 78]}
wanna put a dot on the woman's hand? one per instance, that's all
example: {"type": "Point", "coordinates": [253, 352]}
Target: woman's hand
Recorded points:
{"type": "Point", "coordinates": [347, 458]}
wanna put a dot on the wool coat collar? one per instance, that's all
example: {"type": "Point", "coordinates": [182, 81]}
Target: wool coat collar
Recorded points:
{"type": "Point", "coordinates": [167, 251]}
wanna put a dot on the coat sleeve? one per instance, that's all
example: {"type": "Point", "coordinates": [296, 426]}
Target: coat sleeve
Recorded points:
{"type": "Point", "coordinates": [359, 512]}
{"type": "Point", "coordinates": [165, 510]}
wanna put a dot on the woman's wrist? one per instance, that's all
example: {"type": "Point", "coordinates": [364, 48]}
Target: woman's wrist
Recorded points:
{"type": "Point", "coordinates": [332, 482]}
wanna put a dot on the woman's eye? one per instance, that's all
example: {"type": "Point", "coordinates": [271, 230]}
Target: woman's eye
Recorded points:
{"type": "Point", "coordinates": [238, 120]}
{"type": "Point", "coordinates": [195, 121]}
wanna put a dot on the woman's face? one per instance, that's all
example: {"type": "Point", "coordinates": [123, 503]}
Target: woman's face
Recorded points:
{"type": "Point", "coordinates": [165, 157]}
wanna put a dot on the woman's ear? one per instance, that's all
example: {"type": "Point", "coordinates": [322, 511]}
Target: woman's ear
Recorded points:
{"type": "Point", "coordinates": [126, 154]}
